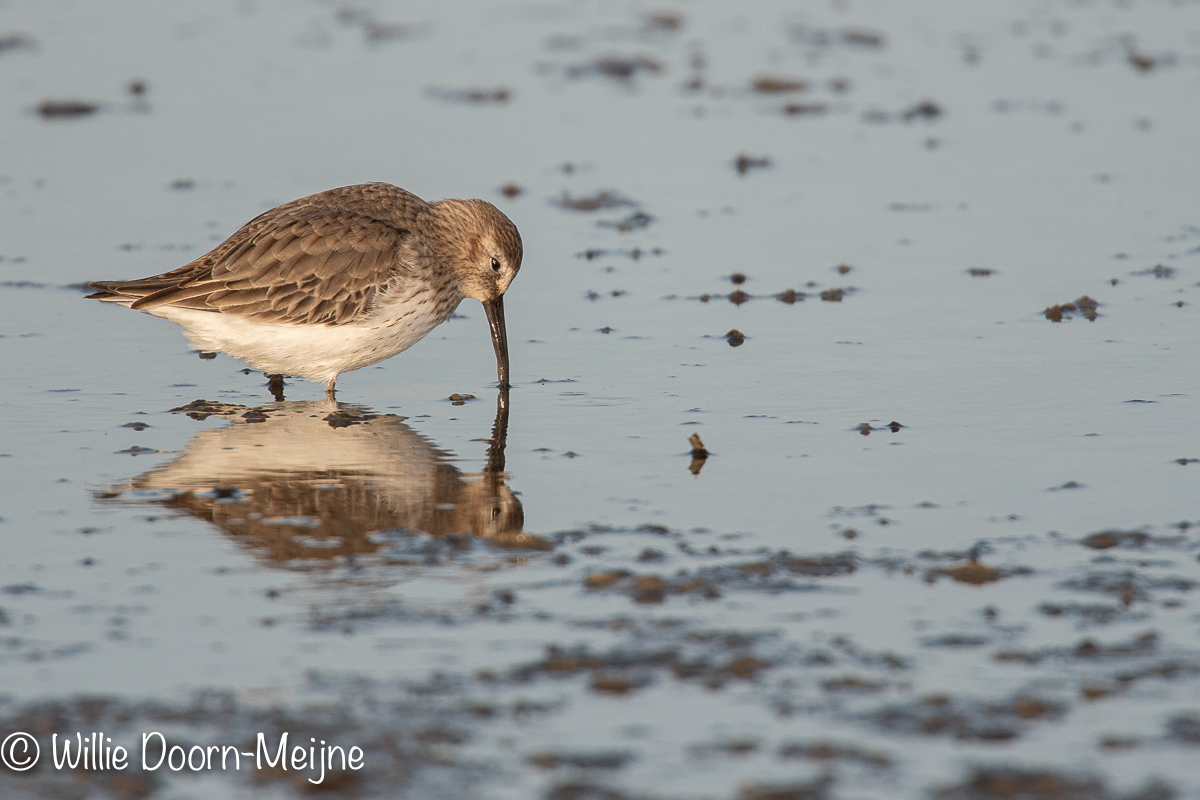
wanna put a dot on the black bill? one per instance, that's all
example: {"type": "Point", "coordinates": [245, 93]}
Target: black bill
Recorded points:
{"type": "Point", "coordinates": [495, 316]}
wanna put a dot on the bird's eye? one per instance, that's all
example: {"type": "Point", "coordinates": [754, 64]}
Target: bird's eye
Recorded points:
{"type": "Point", "coordinates": [495, 265]}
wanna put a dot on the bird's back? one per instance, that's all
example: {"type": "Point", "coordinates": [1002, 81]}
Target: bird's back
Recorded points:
{"type": "Point", "coordinates": [321, 259]}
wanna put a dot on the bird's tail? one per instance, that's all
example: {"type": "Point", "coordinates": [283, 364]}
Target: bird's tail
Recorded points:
{"type": "Point", "coordinates": [110, 292]}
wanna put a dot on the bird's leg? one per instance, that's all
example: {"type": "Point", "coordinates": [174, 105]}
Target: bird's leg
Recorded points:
{"type": "Point", "coordinates": [275, 386]}
{"type": "Point", "coordinates": [330, 390]}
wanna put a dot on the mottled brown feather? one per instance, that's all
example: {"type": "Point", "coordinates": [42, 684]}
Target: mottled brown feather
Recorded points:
{"type": "Point", "coordinates": [319, 259]}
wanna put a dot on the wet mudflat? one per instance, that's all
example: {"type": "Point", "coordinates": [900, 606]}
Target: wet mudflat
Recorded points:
{"type": "Point", "coordinates": [851, 451]}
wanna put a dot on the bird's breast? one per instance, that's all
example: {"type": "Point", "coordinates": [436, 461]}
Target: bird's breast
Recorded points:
{"type": "Point", "coordinates": [411, 312]}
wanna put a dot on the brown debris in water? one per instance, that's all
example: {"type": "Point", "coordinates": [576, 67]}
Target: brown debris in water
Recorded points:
{"type": "Point", "coordinates": [967, 719]}
{"type": "Point", "coordinates": [833, 295]}
{"type": "Point", "coordinates": [584, 791]}
{"type": "Point", "coordinates": [635, 253]}
{"type": "Point", "coordinates": [852, 683]}
{"type": "Point", "coordinates": [812, 790]}
{"type": "Point", "coordinates": [1010, 783]}
{"type": "Point", "coordinates": [1107, 539]}
{"type": "Point", "coordinates": [865, 428]}
{"type": "Point", "coordinates": [664, 21]}
{"type": "Point", "coordinates": [744, 163]}
{"type": "Point", "coordinates": [735, 338]}
{"type": "Point", "coordinates": [15, 41]}
{"type": "Point", "coordinates": [774, 84]}
{"type": "Point", "coordinates": [802, 109]}
{"type": "Point", "coordinates": [511, 190]}
{"type": "Point", "coordinates": [1084, 306]}
{"type": "Point", "coordinates": [66, 109]}
{"type": "Point", "coordinates": [980, 272]}
{"type": "Point", "coordinates": [201, 410]}
{"type": "Point", "coordinates": [1158, 271]}
{"type": "Point", "coordinates": [1140, 61]}
{"type": "Point", "coordinates": [741, 746]}
{"type": "Point", "coordinates": [1032, 708]}
{"type": "Point", "coordinates": [375, 32]}
{"type": "Point", "coordinates": [602, 580]}
{"type": "Point", "coordinates": [612, 684]}
{"type": "Point", "coordinates": [863, 37]}
{"type": "Point", "coordinates": [825, 750]}
{"type": "Point", "coordinates": [775, 572]}
{"type": "Point", "coordinates": [1144, 644]}
{"type": "Point", "coordinates": [739, 297]}
{"type": "Point", "coordinates": [745, 667]}
{"type": "Point", "coordinates": [621, 671]}
{"type": "Point", "coordinates": [1128, 585]}
{"type": "Point", "coordinates": [1184, 729]}
{"type": "Point", "coordinates": [648, 589]}
{"type": "Point", "coordinates": [973, 573]}
{"type": "Point", "coordinates": [926, 109]}
{"type": "Point", "coordinates": [553, 759]}
{"type": "Point", "coordinates": [603, 199]}
{"type": "Point", "coordinates": [1087, 306]}
{"type": "Point", "coordinates": [635, 221]}
{"type": "Point", "coordinates": [1092, 690]}
{"type": "Point", "coordinates": [498, 94]}
{"type": "Point", "coordinates": [828, 37]}
{"type": "Point", "coordinates": [343, 418]}
{"type": "Point", "coordinates": [622, 68]}
{"type": "Point", "coordinates": [817, 566]}
{"type": "Point", "coordinates": [1094, 613]}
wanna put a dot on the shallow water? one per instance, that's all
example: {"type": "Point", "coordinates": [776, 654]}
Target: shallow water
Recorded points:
{"type": "Point", "coordinates": [994, 596]}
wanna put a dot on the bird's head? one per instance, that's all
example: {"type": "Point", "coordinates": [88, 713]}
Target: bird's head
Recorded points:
{"type": "Point", "coordinates": [483, 247]}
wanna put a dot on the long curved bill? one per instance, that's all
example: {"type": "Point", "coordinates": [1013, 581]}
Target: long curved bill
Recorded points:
{"type": "Point", "coordinates": [495, 316]}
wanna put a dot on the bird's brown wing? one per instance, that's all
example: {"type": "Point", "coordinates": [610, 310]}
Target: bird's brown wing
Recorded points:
{"type": "Point", "coordinates": [299, 263]}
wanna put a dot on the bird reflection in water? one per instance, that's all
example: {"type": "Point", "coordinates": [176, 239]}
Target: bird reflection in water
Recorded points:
{"type": "Point", "coordinates": [320, 480]}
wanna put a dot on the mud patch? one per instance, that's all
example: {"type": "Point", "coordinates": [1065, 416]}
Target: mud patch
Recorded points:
{"type": "Point", "coordinates": [1006, 783]}
{"type": "Point", "coordinates": [1084, 307]}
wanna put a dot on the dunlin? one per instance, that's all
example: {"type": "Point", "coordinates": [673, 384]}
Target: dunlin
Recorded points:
{"type": "Point", "coordinates": [337, 281]}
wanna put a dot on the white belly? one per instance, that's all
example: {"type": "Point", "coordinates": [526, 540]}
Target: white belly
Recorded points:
{"type": "Point", "coordinates": [313, 352]}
